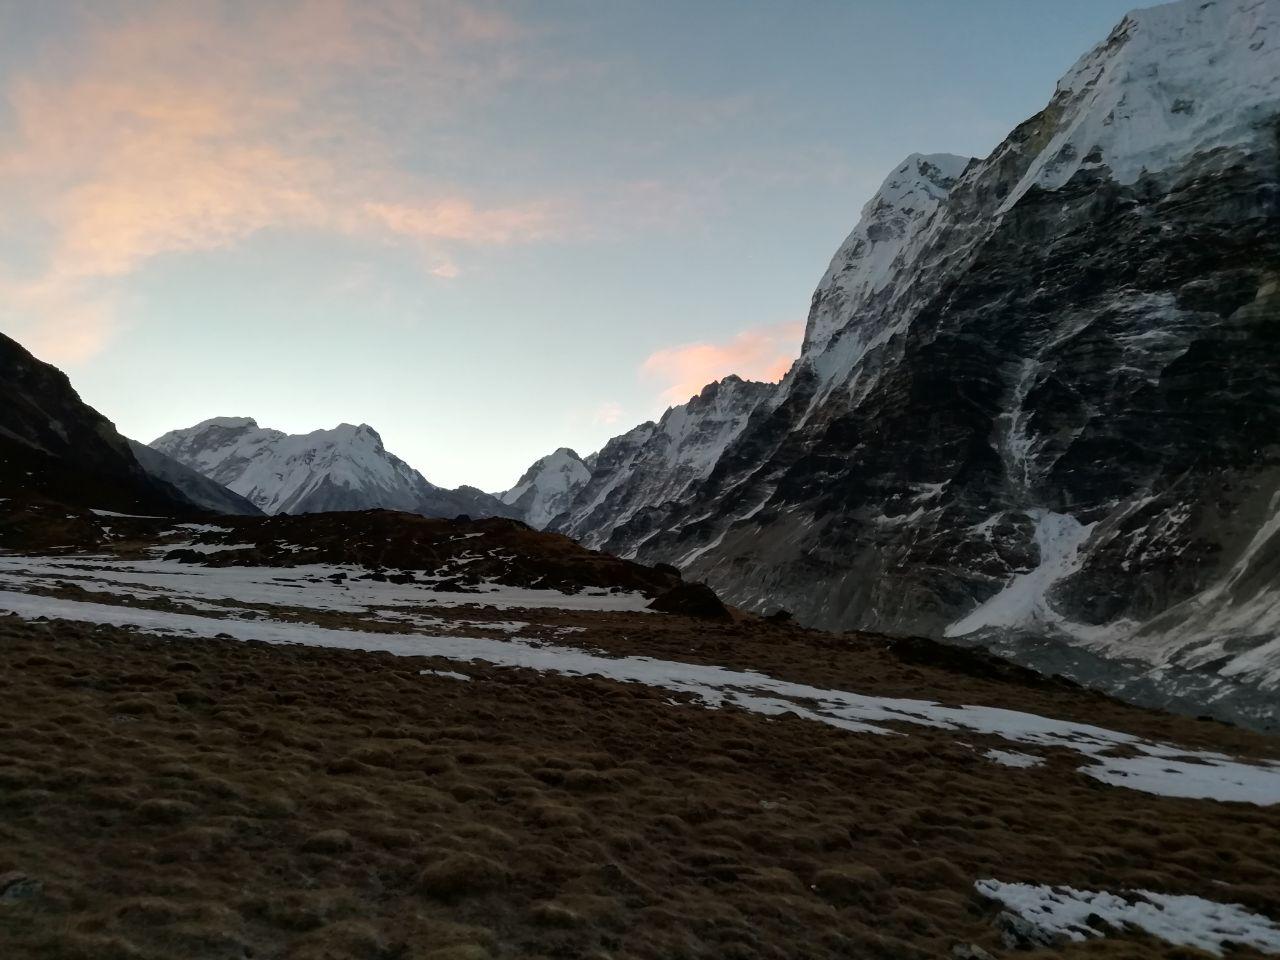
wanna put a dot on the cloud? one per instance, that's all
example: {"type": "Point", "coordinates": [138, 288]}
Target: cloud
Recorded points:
{"type": "Point", "coordinates": [71, 325]}
{"type": "Point", "coordinates": [607, 413]}
{"type": "Point", "coordinates": [763, 353]}
{"type": "Point", "coordinates": [189, 128]}
{"type": "Point", "coordinates": [459, 219]}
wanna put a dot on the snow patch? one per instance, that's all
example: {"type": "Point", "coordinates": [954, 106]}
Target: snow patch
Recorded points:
{"type": "Point", "coordinates": [1012, 758]}
{"type": "Point", "coordinates": [450, 674]}
{"type": "Point", "coordinates": [1024, 601]}
{"type": "Point", "coordinates": [314, 586]}
{"type": "Point", "coordinates": [1156, 768]}
{"type": "Point", "coordinates": [1184, 920]}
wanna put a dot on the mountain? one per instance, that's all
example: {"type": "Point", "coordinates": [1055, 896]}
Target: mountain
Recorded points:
{"type": "Point", "coordinates": [547, 488]}
{"type": "Point", "coordinates": [346, 468]}
{"type": "Point", "coordinates": [195, 487]}
{"type": "Point", "coordinates": [54, 446]}
{"type": "Point", "coordinates": [892, 221]}
{"type": "Point", "coordinates": [1037, 402]}
{"type": "Point", "coordinates": [657, 462]}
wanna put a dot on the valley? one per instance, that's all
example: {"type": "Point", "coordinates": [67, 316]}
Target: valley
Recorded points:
{"type": "Point", "coordinates": [958, 637]}
{"type": "Point", "coordinates": [239, 736]}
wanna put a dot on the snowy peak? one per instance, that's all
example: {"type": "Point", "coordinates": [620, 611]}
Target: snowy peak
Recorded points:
{"type": "Point", "coordinates": [227, 423]}
{"type": "Point", "coordinates": [694, 434]}
{"type": "Point", "coordinates": [656, 463]}
{"type": "Point", "coordinates": [343, 468]}
{"type": "Point", "coordinates": [220, 448]}
{"type": "Point", "coordinates": [919, 180]}
{"type": "Point", "coordinates": [547, 487]}
{"type": "Point", "coordinates": [1170, 82]}
{"type": "Point", "coordinates": [873, 253]}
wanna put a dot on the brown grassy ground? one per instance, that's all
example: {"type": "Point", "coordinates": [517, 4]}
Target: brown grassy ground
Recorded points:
{"type": "Point", "coordinates": [216, 799]}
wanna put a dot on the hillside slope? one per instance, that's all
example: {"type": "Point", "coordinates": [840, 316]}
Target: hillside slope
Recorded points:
{"type": "Point", "coordinates": [1036, 405]}
{"type": "Point", "coordinates": [54, 446]}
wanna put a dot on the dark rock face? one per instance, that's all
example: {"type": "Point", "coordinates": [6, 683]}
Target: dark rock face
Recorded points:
{"type": "Point", "coordinates": [1048, 418]}
{"type": "Point", "coordinates": [55, 446]}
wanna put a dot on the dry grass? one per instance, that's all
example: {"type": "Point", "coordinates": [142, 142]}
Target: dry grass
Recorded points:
{"type": "Point", "coordinates": [217, 799]}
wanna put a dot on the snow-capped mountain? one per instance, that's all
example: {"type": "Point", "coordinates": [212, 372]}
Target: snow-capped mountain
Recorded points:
{"type": "Point", "coordinates": [346, 468]}
{"type": "Point", "coordinates": [547, 488]}
{"type": "Point", "coordinates": [656, 463]}
{"type": "Point", "coordinates": [881, 244]}
{"type": "Point", "coordinates": [643, 468]}
{"type": "Point", "coordinates": [1037, 404]}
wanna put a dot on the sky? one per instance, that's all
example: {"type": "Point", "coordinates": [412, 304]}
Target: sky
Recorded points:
{"type": "Point", "coordinates": [487, 230]}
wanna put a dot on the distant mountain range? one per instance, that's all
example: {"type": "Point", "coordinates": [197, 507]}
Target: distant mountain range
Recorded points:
{"type": "Point", "coordinates": [346, 468]}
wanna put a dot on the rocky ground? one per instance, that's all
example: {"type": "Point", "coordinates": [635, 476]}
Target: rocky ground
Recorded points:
{"type": "Point", "coordinates": [411, 772]}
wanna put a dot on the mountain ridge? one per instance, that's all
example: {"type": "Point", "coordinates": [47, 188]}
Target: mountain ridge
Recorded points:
{"type": "Point", "coordinates": [54, 446]}
{"type": "Point", "coordinates": [1041, 416]}
{"type": "Point", "coordinates": [343, 468]}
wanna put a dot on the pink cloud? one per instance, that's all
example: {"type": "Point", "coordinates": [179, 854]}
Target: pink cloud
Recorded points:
{"type": "Point", "coordinates": [459, 219]}
{"type": "Point", "coordinates": [763, 353]}
{"type": "Point", "coordinates": [183, 130]}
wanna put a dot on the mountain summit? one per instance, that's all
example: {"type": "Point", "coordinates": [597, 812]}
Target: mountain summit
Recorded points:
{"type": "Point", "coordinates": [346, 468]}
{"type": "Point", "coordinates": [547, 488]}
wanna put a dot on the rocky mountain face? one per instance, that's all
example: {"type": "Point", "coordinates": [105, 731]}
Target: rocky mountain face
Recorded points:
{"type": "Point", "coordinates": [655, 463]}
{"type": "Point", "coordinates": [55, 446]}
{"type": "Point", "coordinates": [548, 487]}
{"type": "Point", "coordinates": [346, 468]}
{"type": "Point", "coordinates": [1037, 405]}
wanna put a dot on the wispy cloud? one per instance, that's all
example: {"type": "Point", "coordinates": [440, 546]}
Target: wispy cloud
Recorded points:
{"type": "Point", "coordinates": [73, 323]}
{"type": "Point", "coordinates": [762, 353]}
{"type": "Point", "coordinates": [607, 413]}
{"type": "Point", "coordinates": [457, 218]}
{"type": "Point", "coordinates": [188, 128]}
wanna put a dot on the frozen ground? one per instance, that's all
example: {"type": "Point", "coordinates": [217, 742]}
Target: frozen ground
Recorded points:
{"type": "Point", "coordinates": [1184, 920]}
{"type": "Point", "coordinates": [1110, 756]}
{"type": "Point", "coordinates": [313, 585]}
